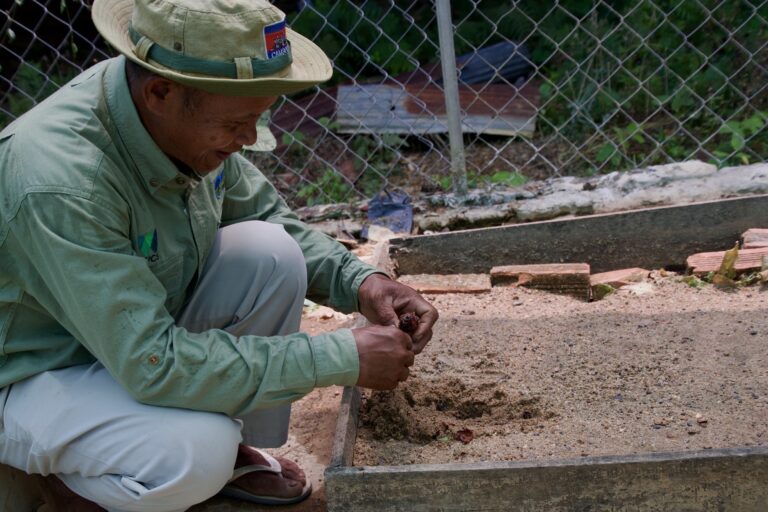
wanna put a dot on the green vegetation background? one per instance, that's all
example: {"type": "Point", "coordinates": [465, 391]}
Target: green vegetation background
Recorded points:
{"type": "Point", "coordinates": [630, 81]}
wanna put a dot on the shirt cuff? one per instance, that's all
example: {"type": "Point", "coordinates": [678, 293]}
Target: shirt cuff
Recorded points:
{"type": "Point", "coordinates": [336, 359]}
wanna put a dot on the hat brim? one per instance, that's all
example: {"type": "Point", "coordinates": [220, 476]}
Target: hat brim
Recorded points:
{"type": "Point", "coordinates": [310, 64]}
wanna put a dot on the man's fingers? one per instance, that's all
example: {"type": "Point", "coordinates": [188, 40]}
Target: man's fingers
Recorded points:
{"type": "Point", "coordinates": [418, 347]}
{"type": "Point", "coordinates": [427, 319]}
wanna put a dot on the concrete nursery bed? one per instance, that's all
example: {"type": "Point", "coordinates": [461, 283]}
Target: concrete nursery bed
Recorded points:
{"type": "Point", "coordinates": [732, 479]}
{"type": "Point", "coordinates": [710, 480]}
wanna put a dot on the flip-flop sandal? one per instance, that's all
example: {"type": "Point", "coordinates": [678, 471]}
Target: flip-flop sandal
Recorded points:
{"type": "Point", "coordinates": [233, 491]}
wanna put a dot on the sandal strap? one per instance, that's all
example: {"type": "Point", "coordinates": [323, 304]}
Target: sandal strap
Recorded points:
{"type": "Point", "coordinates": [274, 466]}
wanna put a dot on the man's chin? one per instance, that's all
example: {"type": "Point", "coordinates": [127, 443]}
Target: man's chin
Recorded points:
{"type": "Point", "coordinates": [208, 167]}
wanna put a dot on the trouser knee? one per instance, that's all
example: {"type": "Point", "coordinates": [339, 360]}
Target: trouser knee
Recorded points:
{"type": "Point", "coordinates": [203, 454]}
{"type": "Point", "coordinates": [266, 252]}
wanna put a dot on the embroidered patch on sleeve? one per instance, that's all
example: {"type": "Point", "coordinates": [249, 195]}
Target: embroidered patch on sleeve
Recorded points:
{"type": "Point", "coordinates": [275, 40]}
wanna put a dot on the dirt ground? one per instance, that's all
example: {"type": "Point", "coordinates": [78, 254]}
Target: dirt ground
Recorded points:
{"type": "Point", "coordinates": [522, 374]}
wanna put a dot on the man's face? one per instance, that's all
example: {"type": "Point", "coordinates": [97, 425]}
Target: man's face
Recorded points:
{"type": "Point", "coordinates": [207, 128]}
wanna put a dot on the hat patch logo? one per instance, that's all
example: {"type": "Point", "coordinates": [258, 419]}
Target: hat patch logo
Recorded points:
{"type": "Point", "coordinates": [275, 39]}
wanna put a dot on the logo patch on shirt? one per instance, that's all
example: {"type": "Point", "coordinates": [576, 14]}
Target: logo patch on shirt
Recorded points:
{"type": "Point", "coordinates": [275, 40]}
{"type": "Point", "coordinates": [217, 184]}
{"type": "Point", "coordinates": [148, 245]}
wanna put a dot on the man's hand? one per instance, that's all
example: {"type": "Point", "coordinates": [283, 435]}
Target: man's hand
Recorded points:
{"type": "Point", "coordinates": [385, 354]}
{"type": "Point", "coordinates": [382, 301]}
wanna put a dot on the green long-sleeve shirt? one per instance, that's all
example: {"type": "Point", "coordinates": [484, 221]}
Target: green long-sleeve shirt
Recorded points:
{"type": "Point", "coordinates": [101, 238]}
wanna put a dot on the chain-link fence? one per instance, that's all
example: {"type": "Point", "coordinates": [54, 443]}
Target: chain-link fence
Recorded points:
{"type": "Point", "coordinates": [569, 87]}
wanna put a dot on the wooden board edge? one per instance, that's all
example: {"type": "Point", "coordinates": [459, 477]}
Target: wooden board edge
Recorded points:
{"type": "Point", "coordinates": [714, 225]}
{"type": "Point", "coordinates": [346, 428]}
{"type": "Point", "coordinates": [606, 460]}
{"type": "Point", "coordinates": [729, 479]}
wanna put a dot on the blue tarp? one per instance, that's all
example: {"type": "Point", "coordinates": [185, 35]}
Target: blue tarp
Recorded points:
{"type": "Point", "coordinates": [500, 62]}
{"type": "Point", "coordinates": [392, 210]}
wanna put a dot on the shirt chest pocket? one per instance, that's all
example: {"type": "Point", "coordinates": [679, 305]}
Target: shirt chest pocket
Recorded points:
{"type": "Point", "coordinates": [169, 271]}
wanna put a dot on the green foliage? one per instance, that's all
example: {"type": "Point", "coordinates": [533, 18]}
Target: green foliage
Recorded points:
{"type": "Point", "coordinates": [297, 149]}
{"type": "Point", "coordinates": [601, 291]}
{"type": "Point", "coordinates": [369, 36]}
{"type": "Point", "coordinates": [628, 82]}
{"type": "Point", "coordinates": [330, 187]}
{"type": "Point", "coordinates": [738, 132]}
{"type": "Point", "coordinates": [475, 180]}
{"type": "Point", "coordinates": [649, 64]}
{"type": "Point", "coordinates": [616, 151]}
{"type": "Point", "coordinates": [31, 85]}
{"type": "Point", "coordinates": [374, 159]}
{"type": "Point", "coordinates": [510, 179]}
{"type": "Point", "coordinates": [694, 282]}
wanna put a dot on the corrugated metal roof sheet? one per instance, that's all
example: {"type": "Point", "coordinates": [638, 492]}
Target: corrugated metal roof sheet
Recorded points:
{"type": "Point", "coordinates": [497, 109]}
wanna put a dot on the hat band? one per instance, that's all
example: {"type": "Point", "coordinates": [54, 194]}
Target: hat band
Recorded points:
{"type": "Point", "coordinates": [147, 49]}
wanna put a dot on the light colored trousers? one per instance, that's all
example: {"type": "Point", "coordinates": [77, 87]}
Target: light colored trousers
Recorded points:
{"type": "Point", "coordinates": [79, 424]}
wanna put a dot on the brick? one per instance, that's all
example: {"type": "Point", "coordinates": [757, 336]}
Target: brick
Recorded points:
{"type": "Point", "coordinates": [562, 278]}
{"type": "Point", "coordinates": [755, 238]}
{"type": "Point", "coordinates": [447, 283]}
{"type": "Point", "coordinates": [619, 278]}
{"type": "Point", "coordinates": [749, 260]}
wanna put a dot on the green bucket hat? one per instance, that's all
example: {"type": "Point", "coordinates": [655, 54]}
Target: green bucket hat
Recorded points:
{"type": "Point", "coordinates": [232, 47]}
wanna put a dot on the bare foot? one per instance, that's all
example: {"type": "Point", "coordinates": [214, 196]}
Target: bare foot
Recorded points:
{"type": "Point", "coordinates": [290, 483]}
{"type": "Point", "coordinates": [60, 498]}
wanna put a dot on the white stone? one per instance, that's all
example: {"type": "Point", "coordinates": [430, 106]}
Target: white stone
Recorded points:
{"type": "Point", "coordinates": [380, 233]}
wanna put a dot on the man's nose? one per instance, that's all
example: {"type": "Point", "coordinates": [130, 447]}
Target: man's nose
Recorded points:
{"type": "Point", "coordinates": [246, 135]}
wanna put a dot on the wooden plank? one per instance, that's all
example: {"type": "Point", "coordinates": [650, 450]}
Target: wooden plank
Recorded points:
{"type": "Point", "coordinates": [727, 480]}
{"type": "Point", "coordinates": [649, 238]}
{"type": "Point", "coordinates": [755, 238]}
{"type": "Point", "coordinates": [749, 260]}
{"type": "Point", "coordinates": [385, 108]}
{"type": "Point", "coordinates": [450, 283]}
{"type": "Point", "coordinates": [346, 428]}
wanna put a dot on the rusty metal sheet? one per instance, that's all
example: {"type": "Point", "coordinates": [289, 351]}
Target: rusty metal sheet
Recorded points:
{"type": "Point", "coordinates": [498, 109]}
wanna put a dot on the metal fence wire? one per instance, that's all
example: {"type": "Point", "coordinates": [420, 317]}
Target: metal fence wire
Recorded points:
{"type": "Point", "coordinates": [571, 87]}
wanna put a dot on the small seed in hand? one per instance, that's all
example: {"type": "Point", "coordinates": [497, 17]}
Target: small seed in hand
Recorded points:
{"type": "Point", "coordinates": [409, 322]}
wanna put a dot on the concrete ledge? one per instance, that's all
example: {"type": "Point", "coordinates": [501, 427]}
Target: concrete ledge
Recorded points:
{"type": "Point", "coordinates": [649, 238]}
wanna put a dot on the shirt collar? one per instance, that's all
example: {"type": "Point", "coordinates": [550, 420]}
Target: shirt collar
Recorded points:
{"type": "Point", "coordinates": [154, 166]}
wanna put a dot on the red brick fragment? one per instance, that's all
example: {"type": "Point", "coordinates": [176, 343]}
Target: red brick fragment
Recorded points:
{"type": "Point", "coordinates": [619, 278]}
{"type": "Point", "coordinates": [749, 260]}
{"type": "Point", "coordinates": [448, 283]}
{"type": "Point", "coordinates": [755, 238]}
{"type": "Point", "coordinates": [563, 278]}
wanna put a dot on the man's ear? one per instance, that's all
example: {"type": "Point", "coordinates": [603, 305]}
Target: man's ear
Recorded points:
{"type": "Point", "coordinates": [161, 95]}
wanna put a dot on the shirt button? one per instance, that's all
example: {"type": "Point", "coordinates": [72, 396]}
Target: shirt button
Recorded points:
{"type": "Point", "coordinates": [180, 180]}
{"type": "Point", "coordinates": [153, 182]}
{"type": "Point", "coordinates": [154, 359]}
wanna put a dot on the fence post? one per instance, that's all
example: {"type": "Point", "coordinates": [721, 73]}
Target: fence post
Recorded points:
{"type": "Point", "coordinates": [451, 88]}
